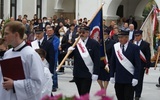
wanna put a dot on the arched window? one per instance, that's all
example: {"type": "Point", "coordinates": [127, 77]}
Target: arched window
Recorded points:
{"type": "Point", "coordinates": [120, 11]}
{"type": "Point", "coordinates": [13, 9]}
{"type": "Point", "coordinates": [39, 8]}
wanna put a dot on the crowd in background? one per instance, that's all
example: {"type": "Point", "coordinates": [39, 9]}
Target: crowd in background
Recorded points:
{"type": "Point", "coordinates": [66, 30]}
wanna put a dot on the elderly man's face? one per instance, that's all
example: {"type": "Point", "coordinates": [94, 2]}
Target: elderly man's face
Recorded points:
{"type": "Point", "coordinates": [39, 36]}
{"type": "Point", "coordinates": [84, 34]}
{"type": "Point", "coordinates": [123, 39]}
{"type": "Point", "coordinates": [49, 32]}
{"type": "Point", "coordinates": [131, 27]}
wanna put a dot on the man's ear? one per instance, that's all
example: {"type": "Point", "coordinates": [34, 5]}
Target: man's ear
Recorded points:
{"type": "Point", "coordinates": [16, 34]}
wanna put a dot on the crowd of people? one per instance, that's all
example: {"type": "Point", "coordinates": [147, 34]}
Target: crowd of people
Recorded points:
{"type": "Point", "coordinates": [128, 56]}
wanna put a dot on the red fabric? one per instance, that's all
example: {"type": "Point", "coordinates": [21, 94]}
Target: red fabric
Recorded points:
{"type": "Point", "coordinates": [111, 34]}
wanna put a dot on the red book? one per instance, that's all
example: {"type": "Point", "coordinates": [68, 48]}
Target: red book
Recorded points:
{"type": "Point", "coordinates": [12, 68]}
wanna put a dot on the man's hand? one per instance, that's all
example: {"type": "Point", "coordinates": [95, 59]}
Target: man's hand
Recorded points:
{"type": "Point", "coordinates": [60, 48]}
{"type": "Point", "coordinates": [71, 48]}
{"type": "Point", "coordinates": [134, 82]}
{"type": "Point", "coordinates": [94, 77]}
{"type": "Point", "coordinates": [112, 80]}
{"type": "Point", "coordinates": [147, 70]}
{"type": "Point", "coordinates": [8, 83]}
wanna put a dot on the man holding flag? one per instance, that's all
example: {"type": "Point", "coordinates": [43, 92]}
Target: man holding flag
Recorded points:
{"type": "Point", "coordinates": [86, 61]}
{"type": "Point", "coordinates": [145, 56]}
{"type": "Point", "coordinates": [87, 53]}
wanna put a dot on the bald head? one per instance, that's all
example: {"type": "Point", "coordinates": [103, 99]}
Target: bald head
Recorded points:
{"type": "Point", "coordinates": [131, 27]}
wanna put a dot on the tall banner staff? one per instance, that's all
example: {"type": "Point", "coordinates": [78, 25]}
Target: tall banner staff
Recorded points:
{"type": "Point", "coordinates": [75, 43]}
{"type": "Point", "coordinates": [148, 28]}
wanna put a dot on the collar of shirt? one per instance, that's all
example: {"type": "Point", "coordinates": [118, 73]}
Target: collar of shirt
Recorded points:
{"type": "Point", "coordinates": [49, 37]}
{"type": "Point", "coordinates": [19, 46]}
{"type": "Point", "coordinates": [139, 42]}
{"type": "Point", "coordinates": [85, 41]}
{"type": "Point", "coordinates": [107, 39]}
{"type": "Point", "coordinates": [41, 40]}
{"type": "Point", "coordinates": [125, 46]}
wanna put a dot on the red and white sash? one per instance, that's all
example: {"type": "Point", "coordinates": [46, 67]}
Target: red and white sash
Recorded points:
{"type": "Point", "coordinates": [122, 59]}
{"type": "Point", "coordinates": [143, 58]}
{"type": "Point", "coordinates": [85, 55]}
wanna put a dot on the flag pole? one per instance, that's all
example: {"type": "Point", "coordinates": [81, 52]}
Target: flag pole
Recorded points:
{"type": "Point", "coordinates": [75, 43]}
{"type": "Point", "coordinates": [155, 66]}
{"type": "Point", "coordinates": [147, 18]}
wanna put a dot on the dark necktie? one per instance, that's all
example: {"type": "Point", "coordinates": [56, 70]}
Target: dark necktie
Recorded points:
{"type": "Point", "coordinates": [123, 49]}
{"type": "Point", "coordinates": [137, 42]}
{"type": "Point", "coordinates": [39, 43]}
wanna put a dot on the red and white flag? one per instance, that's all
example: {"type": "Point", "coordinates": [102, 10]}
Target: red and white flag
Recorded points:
{"type": "Point", "coordinates": [149, 27]}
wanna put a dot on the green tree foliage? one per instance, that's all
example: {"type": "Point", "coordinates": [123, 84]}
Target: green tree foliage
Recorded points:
{"type": "Point", "coordinates": [148, 8]}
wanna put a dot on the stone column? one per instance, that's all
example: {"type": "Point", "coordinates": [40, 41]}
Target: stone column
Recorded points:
{"type": "Point", "coordinates": [44, 8]}
{"type": "Point", "coordinates": [6, 9]}
{"type": "Point", "coordinates": [19, 8]}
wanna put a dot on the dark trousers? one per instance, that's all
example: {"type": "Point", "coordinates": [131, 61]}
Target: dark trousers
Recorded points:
{"type": "Point", "coordinates": [60, 58]}
{"type": "Point", "coordinates": [124, 91]}
{"type": "Point", "coordinates": [83, 85]}
{"type": "Point", "coordinates": [55, 78]}
{"type": "Point", "coordinates": [139, 86]}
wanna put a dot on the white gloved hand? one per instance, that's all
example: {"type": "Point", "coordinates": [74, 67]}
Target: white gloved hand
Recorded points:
{"type": "Point", "coordinates": [94, 77]}
{"type": "Point", "coordinates": [112, 80]}
{"type": "Point", "coordinates": [71, 48]}
{"type": "Point", "coordinates": [134, 82]}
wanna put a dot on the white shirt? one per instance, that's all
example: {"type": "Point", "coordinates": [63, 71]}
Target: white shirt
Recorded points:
{"type": "Point", "coordinates": [130, 35]}
{"type": "Point", "coordinates": [139, 42]}
{"type": "Point", "coordinates": [41, 40]}
{"type": "Point", "coordinates": [85, 41]}
{"type": "Point", "coordinates": [125, 46]}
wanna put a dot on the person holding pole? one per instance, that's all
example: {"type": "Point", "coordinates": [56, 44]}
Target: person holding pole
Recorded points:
{"type": "Point", "coordinates": [125, 67]}
{"type": "Point", "coordinates": [158, 85]}
{"type": "Point", "coordinates": [103, 77]}
{"type": "Point", "coordinates": [145, 56]}
{"type": "Point", "coordinates": [86, 61]}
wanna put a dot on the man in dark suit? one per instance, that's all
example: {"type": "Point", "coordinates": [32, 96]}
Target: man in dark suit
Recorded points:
{"type": "Point", "coordinates": [145, 56]}
{"type": "Point", "coordinates": [48, 47]}
{"type": "Point", "coordinates": [71, 35]}
{"type": "Point", "coordinates": [125, 67]}
{"type": "Point", "coordinates": [131, 32]}
{"type": "Point", "coordinates": [27, 27]}
{"type": "Point", "coordinates": [83, 76]}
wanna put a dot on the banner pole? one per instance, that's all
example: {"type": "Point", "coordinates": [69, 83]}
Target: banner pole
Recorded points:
{"type": "Point", "coordinates": [155, 66]}
{"type": "Point", "coordinates": [147, 18]}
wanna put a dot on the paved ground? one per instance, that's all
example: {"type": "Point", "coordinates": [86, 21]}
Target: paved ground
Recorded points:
{"type": "Point", "coordinates": [150, 91]}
